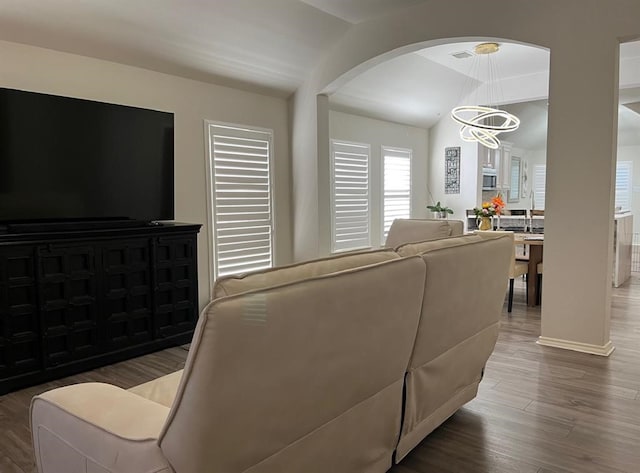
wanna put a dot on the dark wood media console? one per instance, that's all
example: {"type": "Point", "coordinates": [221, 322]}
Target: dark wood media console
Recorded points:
{"type": "Point", "coordinates": [75, 300]}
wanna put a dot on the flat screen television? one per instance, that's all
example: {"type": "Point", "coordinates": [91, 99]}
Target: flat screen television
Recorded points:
{"type": "Point", "coordinates": [65, 159]}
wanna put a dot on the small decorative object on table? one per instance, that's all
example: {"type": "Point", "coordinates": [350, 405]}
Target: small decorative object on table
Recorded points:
{"type": "Point", "coordinates": [440, 211]}
{"type": "Point", "coordinates": [488, 210]}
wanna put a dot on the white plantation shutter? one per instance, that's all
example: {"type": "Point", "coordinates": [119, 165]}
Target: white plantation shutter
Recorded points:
{"type": "Point", "coordinates": [624, 172]}
{"type": "Point", "coordinates": [397, 186]}
{"type": "Point", "coordinates": [242, 210]}
{"type": "Point", "coordinates": [539, 178]}
{"type": "Point", "coordinates": [350, 196]}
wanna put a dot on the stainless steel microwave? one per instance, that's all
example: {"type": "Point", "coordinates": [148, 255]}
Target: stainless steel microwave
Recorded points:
{"type": "Point", "coordinates": [489, 179]}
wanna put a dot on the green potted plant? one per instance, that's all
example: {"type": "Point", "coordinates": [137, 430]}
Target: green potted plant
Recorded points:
{"type": "Point", "coordinates": [440, 211]}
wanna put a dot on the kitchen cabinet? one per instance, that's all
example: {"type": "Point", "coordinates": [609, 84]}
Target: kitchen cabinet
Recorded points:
{"type": "Point", "coordinates": [500, 160]}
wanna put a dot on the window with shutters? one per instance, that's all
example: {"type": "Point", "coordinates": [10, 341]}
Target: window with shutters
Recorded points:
{"type": "Point", "coordinates": [623, 193]}
{"type": "Point", "coordinates": [350, 226]}
{"type": "Point", "coordinates": [624, 173]}
{"type": "Point", "coordinates": [539, 178]}
{"type": "Point", "coordinates": [240, 181]}
{"type": "Point", "coordinates": [396, 186]}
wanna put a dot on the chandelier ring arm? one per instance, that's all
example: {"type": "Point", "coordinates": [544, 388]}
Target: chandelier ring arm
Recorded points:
{"type": "Point", "coordinates": [478, 121]}
{"type": "Point", "coordinates": [511, 121]}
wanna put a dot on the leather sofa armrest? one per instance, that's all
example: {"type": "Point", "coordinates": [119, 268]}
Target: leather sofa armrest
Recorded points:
{"type": "Point", "coordinates": [95, 427]}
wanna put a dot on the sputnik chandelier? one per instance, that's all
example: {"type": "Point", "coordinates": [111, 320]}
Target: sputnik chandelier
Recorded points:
{"type": "Point", "coordinates": [480, 123]}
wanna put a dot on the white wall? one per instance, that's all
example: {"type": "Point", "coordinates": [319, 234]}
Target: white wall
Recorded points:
{"type": "Point", "coordinates": [442, 135]}
{"type": "Point", "coordinates": [536, 156]}
{"type": "Point", "coordinates": [42, 70]}
{"type": "Point", "coordinates": [531, 157]}
{"type": "Point", "coordinates": [575, 317]}
{"type": "Point", "coordinates": [632, 153]}
{"type": "Point", "coordinates": [378, 133]}
{"type": "Point", "coordinates": [625, 153]}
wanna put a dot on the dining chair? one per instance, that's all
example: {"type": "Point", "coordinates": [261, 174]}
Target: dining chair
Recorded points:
{"type": "Point", "coordinates": [516, 267]}
{"type": "Point", "coordinates": [521, 250]}
{"type": "Point", "coordinates": [536, 213]}
{"type": "Point", "coordinates": [519, 213]}
{"type": "Point", "coordinates": [472, 223]}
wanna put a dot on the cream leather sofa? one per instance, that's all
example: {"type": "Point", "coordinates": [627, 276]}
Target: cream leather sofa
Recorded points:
{"type": "Point", "coordinates": [304, 368]}
{"type": "Point", "coordinates": [462, 303]}
{"type": "Point", "coordinates": [412, 229]}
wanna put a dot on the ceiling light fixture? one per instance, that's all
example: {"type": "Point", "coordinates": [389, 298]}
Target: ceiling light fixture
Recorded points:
{"type": "Point", "coordinates": [481, 123]}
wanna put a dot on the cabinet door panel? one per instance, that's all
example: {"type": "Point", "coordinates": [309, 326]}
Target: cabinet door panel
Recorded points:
{"type": "Point", "coordinates": [69, 310]}
{"type": "Point", "coordinates": [19, 325]}
{"type": "Point", "coordinates": [128, 295]}
{"type": "Point", "coordinates": [175, 286]}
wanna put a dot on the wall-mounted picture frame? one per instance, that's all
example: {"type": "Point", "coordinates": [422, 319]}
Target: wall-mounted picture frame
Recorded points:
{"type": "Point", "coordinates": [514, 185]}
{"type": "Point", "coordinates": [524, 178]}
{"type": "Point", "coordinates": [452, 170]}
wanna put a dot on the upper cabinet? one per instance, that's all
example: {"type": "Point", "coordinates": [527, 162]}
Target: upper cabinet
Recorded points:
{"type": "Point", "coordinates": [504, 166]}
{"type": "Point", "coordinates": [500, 160]}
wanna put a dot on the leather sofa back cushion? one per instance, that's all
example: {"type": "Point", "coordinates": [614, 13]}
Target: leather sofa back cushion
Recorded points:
{"type": "Point", "coordinates": [269, 368]}
{"type": "Point", "coordinates": [235, 284]}
{"type": "Point", "coordinates": [411, 230]}
{"type": "Point", "coordinates": [465, 275]}
{"type": "Point", "coordinates": [463, 297]}
{"type": "Point", "coordinates": [457, 227]}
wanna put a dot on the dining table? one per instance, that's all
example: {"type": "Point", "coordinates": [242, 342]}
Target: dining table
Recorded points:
{"type": "Point", "coordinates": [534, 242]}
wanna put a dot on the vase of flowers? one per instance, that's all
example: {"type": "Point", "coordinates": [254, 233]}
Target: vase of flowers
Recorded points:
{"type": "Point", "coordinates": [487, 211]}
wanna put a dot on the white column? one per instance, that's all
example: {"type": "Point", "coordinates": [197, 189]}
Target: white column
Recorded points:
{"type": "Point", "coordinates": [581, 157]}
{"type": "Point", "coordinates": [304, 174]}
{"type": "Point", "coordinates": [324, 176]}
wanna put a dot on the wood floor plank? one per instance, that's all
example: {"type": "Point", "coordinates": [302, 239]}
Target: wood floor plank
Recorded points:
{"type": "Point", "coordinates": [15, 436]}
{"type": "Point", "coordinates": [504, 419]}
{"type": "Point", "coordinates": [577, 399]}
{"type": "Point", "coordinates": [538, 410]}
{"type": "Point", "coordinates": [8, 466]}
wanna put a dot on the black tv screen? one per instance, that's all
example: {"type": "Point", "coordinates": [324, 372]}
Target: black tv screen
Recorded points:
{"type": "Point", "coordinates": [63, 158]}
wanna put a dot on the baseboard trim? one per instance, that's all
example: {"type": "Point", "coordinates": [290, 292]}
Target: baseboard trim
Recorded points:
{"type": "Point", "coordinates": [600, 350]}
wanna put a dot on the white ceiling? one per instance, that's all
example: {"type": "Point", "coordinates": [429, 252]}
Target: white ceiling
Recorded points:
{"type": "Point", "coordinates": [511, 60]}
{"type": "Point", "coordinates": [421, 87]}
{"type": "Point", "coordinates": [355, 11]}
{"type": "Point", "coordinates": [418, 88]}
{"type": "Point", "coordinates": [266, 45]}
{"type": "Point", "coordinates": [270, 47]}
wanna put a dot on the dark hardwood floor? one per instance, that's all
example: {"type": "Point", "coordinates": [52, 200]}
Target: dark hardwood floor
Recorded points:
{"type": "Point", "coordinates": [539, 409]}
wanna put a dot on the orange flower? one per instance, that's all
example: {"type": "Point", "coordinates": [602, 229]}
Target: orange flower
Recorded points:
{"type": "Point", "coordinates": [498, 203]}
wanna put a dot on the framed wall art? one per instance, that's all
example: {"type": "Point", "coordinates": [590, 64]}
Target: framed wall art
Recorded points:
{"type": "Point", "coordinates": [452, 170]}
{"type": "Point", "coordinates": [514, 186]}
{"type": "Point", "coordinates": [524, 176]}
